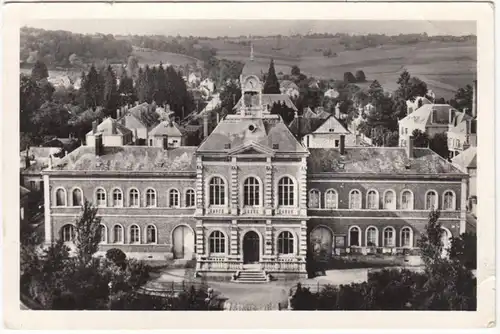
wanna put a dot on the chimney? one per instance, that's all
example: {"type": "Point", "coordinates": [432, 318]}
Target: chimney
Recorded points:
{"type": "Point", "coordinates": [342, 144]}
{"type": "Point", "coordinates": [165, 142]}
{"type": "Point", "coordinates": [98, 144]}
{"type": "Point", "coordinates": [50, 161]}
{"type": "Point", "coordinates": [409, 147]}
{"type": "Point", "coordinates": [337, 111]}
{"type": "Point", "coordinates": [113, 126]}
{"type": "Point", "coordinates": [118, 113]}
{"type": "Point", "coordinates": [205, 125]}
{"type": "Point", "coordinates": [94, 127]}
{"type": "Point", "coordinates": [474, 99]}
{"type": "Point", "coordinates": [217, 117]}
{"type": "Point", "coordinates": [432, 115]}
{"type": "Point", "coordinates": [468, 127]}
{"type": "Point", "coordinates": [27, 160]}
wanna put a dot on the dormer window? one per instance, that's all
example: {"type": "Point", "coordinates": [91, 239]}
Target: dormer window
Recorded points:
{"type": "Point", "coordinates": [227, 146]}
{"type": "Point", "coordinates": [331, 130]}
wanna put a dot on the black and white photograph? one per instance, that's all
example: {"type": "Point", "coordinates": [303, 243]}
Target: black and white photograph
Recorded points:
{"type": "Point", "coordinates": [249, 165]}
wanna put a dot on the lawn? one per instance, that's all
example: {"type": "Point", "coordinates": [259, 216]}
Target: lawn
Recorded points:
{"type": "Point", "coordinates": [153, 58]}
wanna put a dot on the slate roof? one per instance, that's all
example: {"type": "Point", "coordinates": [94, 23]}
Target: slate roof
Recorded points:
{"type": "Point", "coordinates": [288, 84]}
{"type": "Point", "coordinates": [303, 125]}
{"type": "Point", "coordinates": [170, 129]}
{"type": "Point", "coordinates": [236, 132]}
{"type": "Point", "coordinates": [139, 113]}
{"type": "Point", "coordinates": [378, 160]}
{"type": "Point", "coordinates": [270, 99]}
{"type": "Point", "coordinates": [106, 128]}
{"type": "Point", "coordinates": [466, 159]}
{"type": "Point", "coordinates": [129, 159]}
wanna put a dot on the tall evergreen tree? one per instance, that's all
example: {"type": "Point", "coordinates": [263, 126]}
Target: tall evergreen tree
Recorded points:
{"type": "Point", "coordinates": [126, 89]}
{"type": "Point", "coordinates": [161, 86]}
{"type": "Point", "coordinates": [111, 101]}
{"type": "Point", "coordinates": [272, 85]}
{"type": "Point", "coordinates": [140, 86]}
{"type": "Point", "coordinates": [39, 71]}
{"type": "Point", "coordinates": [92, 88]}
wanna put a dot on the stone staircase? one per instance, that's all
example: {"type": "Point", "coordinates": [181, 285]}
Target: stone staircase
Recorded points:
{"type": "Point", "coordinates": [251, 276]}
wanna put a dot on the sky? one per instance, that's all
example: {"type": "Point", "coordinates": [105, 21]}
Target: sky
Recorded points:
{"type": "Point", "coordinates": [214, 28]}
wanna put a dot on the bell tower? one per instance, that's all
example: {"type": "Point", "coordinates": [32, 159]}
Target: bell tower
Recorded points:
{"type": "Point", "coordinates": [251, 90]}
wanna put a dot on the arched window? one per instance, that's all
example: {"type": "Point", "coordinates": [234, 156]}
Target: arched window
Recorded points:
{"type": "Point", "coordinates": [217, 241]}
{"type": "Point", "coordinates": [151, 234]}
{"type": "Point", "coordinates": [133, 198]}
{"type": "Point", "coordinates": [449, 200]}
{"type": "Point", "coordinates": [60, 197]}
{"type": "Point", "coordinates": [117, 234]}
{"type": "Point", "coordinates": [355, 199]}
{"type": "Point", "coordinates": [389, 237]}
{"type": "Point", "coordinates": [285, 243]}
{"type": "Point", "coordinates": [354, 236]}
{"type": "Point", "coordinates": [135, 234]}
{"type": "Point", "coordinates": [372, 236]}
{"type": "Point", "coordinates": [331, 199]}
{"type": "Point", "coordinates": [251, 192]}
{"type": "Point", "coordinates": [173, 198]}
{"type": "Point", "coordinates": [286, 192]}
{"type": "Point", "coordinates": [104, 235]}
{"type": "Point", "coordinates": [431, 200]}
{"type": "Point", "coordinates": [314, 197]}
{"type": "Point", "coordinates": [150, 198]}
{"type": "Point", "coordinates": [117, 198]}
{"type": "Point", "coordinates": [406, 200]}
{"type": "Point", "coordinates": [217, 191]}
{"type": "Point", "coordinates": [390, 200]}
{"type": "Point", "coordinates": [100, 197]}
{"type": "Point", "coordinates": [190, 198]}
{"type": "Point", "coordinates": [77, 197]}
{"type": "Point", "coordinates": [372, 200]}
{"type": "Point", "coordinates": [68, 233]}
{"type": "Point", "coordinates": [406, 237]}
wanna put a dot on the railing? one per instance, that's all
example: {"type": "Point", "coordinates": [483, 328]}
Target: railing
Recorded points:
{"type": "Point", "coordinates": [216, 210]}
{"type": "Point", "coordinates": [284, 265]}
{"type": "Point", "coordinates": [248, 210]}
{"type": "Point", "coordinates": [284, 211]}
{"type": "Point", "coordinates": [219, 264]}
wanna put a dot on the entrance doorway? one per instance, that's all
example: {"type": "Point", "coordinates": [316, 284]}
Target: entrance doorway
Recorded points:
{"type": "Point", "coordinates": [183, 242]}
{"type": "Point", "coordinates": [251, 247]}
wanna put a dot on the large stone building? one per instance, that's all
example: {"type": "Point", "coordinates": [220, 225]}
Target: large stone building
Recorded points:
{"type": "Point", "coordinates": [252, 196]}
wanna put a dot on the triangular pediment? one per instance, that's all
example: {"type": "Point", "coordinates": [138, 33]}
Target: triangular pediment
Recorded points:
{"type": "Point", "coordinates": [252, 148]}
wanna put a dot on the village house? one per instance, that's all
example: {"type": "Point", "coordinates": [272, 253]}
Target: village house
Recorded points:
{"type": "Point", "coordinates": [251, 196]}
{"type": "Point", "coordinates": [332, 93]}
{"type": "Point", "coordinates": [111, 133]}
{"type": "Point", "coordinates": [136, 120]}
{"type": "Point", "coordinates": [417, 102]}
{"type": "Point", "coordinates": [466, 161]}
{"type": "Point", "coordinates": [168, 133]}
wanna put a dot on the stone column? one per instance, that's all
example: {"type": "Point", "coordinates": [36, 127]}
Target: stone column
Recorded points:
{"type": "Point", "coordinates": [199, 186]}
{"type": "Point", "coordinates": [200, 236]}
{"type": "Point", "coordinates": [268, 239]}
{"type": "Point", "coordinates": [234, 247]}
{"type": "Point", "coordinates": [463, 206]}
{"type": "Point", "coordinates": [303, 238]}
{"type": "Point", "coordinates": [302, 188]}
{"type": "Point", "coordinates": [47, 202]}
{"type": "Point", "coordinates": [268, 188]}
{"type": "Point", "coordinates": [234, 189]}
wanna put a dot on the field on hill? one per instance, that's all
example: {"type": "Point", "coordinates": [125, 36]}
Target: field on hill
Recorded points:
{"type": "Point", "coordinates": [445, 67]}
{"type": "Point", "coordinates": [153, 57]}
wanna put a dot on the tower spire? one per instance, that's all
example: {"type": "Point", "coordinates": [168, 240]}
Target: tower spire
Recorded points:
{"type": "Point", "coordinates": [251, 48]}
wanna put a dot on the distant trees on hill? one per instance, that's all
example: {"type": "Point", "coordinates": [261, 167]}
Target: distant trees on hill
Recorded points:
{"type": "Point", "coordinates": [64, 48]}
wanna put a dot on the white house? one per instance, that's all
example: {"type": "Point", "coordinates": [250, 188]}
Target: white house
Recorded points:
{"type": "Point", "coordinates": [194, 79]}
{"type": "Point", "coordinates": [208, 84]}
{"type": "Point", "coordinates": [112, 133]}
{"type": "Point", "coordinates": [462, 134]}
{"type": "Point", "coordinates": [332, 93]}
{"type": "Point", "coordinates": [167, 134]}
{"type": "Point", "coordinates": [419, 101]}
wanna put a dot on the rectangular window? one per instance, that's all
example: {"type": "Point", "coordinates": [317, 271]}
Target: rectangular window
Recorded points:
{"type": "Point", "coordinates": [337, 143]}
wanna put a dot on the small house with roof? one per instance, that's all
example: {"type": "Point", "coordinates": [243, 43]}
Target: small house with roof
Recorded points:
{"type": "Point", "coordinates": [139, 120]}
{"type": "Point", "coordinates": [417, 102]}
{"type": "Point", "coordinates": [166, 134]}
{"type": "Point", "coordinates": [316, 132]}
{"type": "Point", "coordinates": [112, 133]}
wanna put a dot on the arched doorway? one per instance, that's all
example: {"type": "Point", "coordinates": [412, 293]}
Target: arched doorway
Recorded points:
{"type": "Point", "coordinates": [251, 247]}
{"type": "Point", "coordinates": [321, 240]}
{"type": "Point", "coordinates": [183, 241]}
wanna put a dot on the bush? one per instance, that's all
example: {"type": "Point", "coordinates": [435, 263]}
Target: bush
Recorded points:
{"type": "Point", "coordinates": [117, 256]}
{"type": "Point", "coordinates": [139, 273]}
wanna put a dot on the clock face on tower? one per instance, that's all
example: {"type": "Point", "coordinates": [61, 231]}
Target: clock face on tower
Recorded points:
{"type": "Point", "coordinates": [251, 84]}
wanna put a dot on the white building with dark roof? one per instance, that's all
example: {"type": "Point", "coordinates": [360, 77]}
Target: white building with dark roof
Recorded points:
{"type": "Point", "coordinates": [112, 133]}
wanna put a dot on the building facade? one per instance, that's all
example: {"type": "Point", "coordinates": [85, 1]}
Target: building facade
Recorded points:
{"type": "Point", "coordinates": [251, 196]}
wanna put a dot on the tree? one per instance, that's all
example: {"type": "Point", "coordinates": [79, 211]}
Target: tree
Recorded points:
{"type": "Point", "coordinates": [88, 233]}
{"type": "Point", "coordinates": [30, 100]}
{"type": "Point", "coordinates": [272, 85]}
{"type": "Point", "coordinates": [81, 123]}
{"type": "Point", "coordinates": [420, 139]}
{"type": "Point", "coordinates": [439, 144]}
{"type": "Point", "coordinates": [295, 70]}
{"type": "Point", "coordinates": [132, 67]}
{"type": "Point", "coordinates": [430, 241]}
{"type": "Point", "coordinates": [110, 94]}
{"type": "Point", "coordinates": [464, 249]}
{"type": "Point", "coordinates": [463, 99]}
{"type": "Point", "coordinates": [126, 89]}
{"type": "Point", "coordinates": [93, 87]}
{"type": "Point", "coordinates": [286, 113]}
{"type": "Point", "coordinates": [349, 77]}
{"type": "Point", "coordinates": [75, 61]}
{"type": "Point", "coordinates": [360, 76]}
{"type": "Point", "coordinates": [39, 71]}
{"type": "Point", "coordinates": [409, 87]}
{"type": "Point", "coordinates": [50, 120]}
